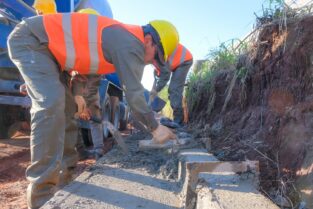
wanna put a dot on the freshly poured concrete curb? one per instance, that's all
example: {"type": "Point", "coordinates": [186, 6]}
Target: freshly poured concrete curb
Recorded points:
{"type": "Point", "coordinates": [228, 190]}
{"type": "Point", "coordinates": [220, 187]}
{"type": "Point", "coordinates": [112, 187]}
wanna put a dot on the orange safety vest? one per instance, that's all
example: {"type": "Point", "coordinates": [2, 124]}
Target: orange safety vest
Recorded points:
{"type": "Point", "coordinates": [180, 55]}
{"type": "Point", "coordinates": [75, 41]}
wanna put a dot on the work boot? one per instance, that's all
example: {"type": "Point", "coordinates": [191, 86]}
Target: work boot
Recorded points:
{"type": "Point", "coordinates": [37, 197]}
{"type": "Point", "coordinates": [169, 123]}
{"type": "Point", "coordinates": [66, 176]}
{"type": "Point", "coordinates": [98, 153]}
{"type": "Point", "coordinates": [85, 154]}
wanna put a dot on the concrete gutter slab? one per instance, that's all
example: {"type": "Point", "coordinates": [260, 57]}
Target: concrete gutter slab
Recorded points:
{"type": "Point", "coordinates": [112, 187]}
{"type": "Point", "coordinates": [229, 191]}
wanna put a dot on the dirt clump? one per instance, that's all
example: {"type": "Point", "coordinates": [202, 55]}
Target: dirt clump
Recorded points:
{"type": "Point", "coordinates": [15, 158]}
{"type": "Point", "coordinates": [269, 116]}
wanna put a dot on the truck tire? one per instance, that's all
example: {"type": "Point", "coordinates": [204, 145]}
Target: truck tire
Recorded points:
{"type": "Point", "coordinates": [4, 126]}
{"type": "Point", "coordinates": [115, 114]}
{"type": "Point", "coordinates": [86, 136]}
{"type": "Point", "coordinates": [11, 120]}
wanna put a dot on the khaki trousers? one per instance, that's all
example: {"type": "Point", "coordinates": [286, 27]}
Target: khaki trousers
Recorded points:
{"type": "Point", "coordinates": [53, 130]}
{"type": "Point", "coordinates": [176, 89]}
{"type": "Point", "coordinates": [93, 102]}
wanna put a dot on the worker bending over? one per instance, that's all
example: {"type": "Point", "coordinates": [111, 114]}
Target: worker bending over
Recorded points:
{"type": "Point", "coordinates": [43, 47]}
{"type": "Point", "coordinates": [88, 87]}
{"type": "Point", "coordinates": [178, 65]}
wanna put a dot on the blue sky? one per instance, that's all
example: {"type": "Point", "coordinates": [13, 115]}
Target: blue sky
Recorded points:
{"type": "Point", "coordinates": [202, 24]}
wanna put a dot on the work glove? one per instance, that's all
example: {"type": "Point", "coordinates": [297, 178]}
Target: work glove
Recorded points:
{"type": "Point", "coordinates": [162, 134]}
{"type": "Point", "coordinates": [82, 111]}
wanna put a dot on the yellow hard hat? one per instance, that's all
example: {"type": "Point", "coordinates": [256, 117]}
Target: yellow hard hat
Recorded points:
{"type": "Point", "coordinates": [168, 34]}
{"type": "Point", "coordinates": [45, 6]}
{"type": "Point", "coordinates": [89, 11]}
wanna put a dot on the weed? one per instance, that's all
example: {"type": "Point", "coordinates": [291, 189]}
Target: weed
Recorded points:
{"type": "Point", "coordinates": [202, 81]}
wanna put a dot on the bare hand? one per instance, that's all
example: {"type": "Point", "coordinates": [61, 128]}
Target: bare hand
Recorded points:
{"type": "Point", "coordinates": [81, 106]}
{"type": "Point", "coordinates": [86, 114]}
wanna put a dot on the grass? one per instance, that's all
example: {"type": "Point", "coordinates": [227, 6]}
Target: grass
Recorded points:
{"type": "Point", "coordinates": [201, 81]}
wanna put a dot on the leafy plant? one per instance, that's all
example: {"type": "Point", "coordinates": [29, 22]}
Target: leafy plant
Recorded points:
{"type": "Point", "coordinates": [276, 3]}
{"type": "Point", "coordinates": [242, 74]}
{"type": "Point", "coordinates": [201, 82]}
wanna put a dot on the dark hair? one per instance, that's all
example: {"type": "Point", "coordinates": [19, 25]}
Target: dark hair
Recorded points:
{"type": "Point", "coordinates": [148, 29]}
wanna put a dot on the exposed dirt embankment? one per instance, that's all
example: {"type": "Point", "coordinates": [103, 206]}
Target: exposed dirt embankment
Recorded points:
{"type": "Point", "coordinates": [269, 116]}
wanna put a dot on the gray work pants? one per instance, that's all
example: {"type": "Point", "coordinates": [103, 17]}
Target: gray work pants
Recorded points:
{"type": "Point", "coordinates": [93, 103]}
{"type": "Point", "coordinates": [176, 89]}
{"type": "Point", "coordinates": [53, 130]}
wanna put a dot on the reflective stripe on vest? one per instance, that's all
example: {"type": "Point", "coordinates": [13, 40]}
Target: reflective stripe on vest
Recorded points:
{"type": "Point", "coordinates": [75, 41]}
{"type": "Point", "coordinates": [158, 71]}
{"type": "Point", "coordinates": [180, 55]}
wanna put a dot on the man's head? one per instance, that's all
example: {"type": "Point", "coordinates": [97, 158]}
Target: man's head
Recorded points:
{"type": "Point", "coordinates": [161, 39]}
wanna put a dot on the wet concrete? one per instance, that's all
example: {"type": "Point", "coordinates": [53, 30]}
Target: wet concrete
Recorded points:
{"type": "Point", "coordinates": [139, 179]}
{"type": "Point", "coordinates": [114, 187]}
{"type": "Point", "coordinates": [229, 190]}
{"type": "Point", "coordinates": [148, 179]}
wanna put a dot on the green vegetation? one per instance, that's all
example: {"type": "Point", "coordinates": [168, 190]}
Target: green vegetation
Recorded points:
{"type": "Point", "coordinates": [234, 55]}
{"type": "Point", "coordinates": [229, 55]}
{"type": "Point", "coordinates": [201, 81]}
{"type": "Point", "coordinates": [225, 56]}
{"type": "Point", "coordinates": [167, 110]}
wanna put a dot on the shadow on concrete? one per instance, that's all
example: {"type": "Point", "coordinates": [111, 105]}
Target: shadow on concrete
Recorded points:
{"type": "Point", "coordinates": [234, 183]}
{"type": "Point", "coordinates": [141, 179]}
{"type": "Point", "coordinates": [106, 197]}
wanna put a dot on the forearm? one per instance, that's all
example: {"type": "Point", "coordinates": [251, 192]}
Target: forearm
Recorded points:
{"type": "Point", "coordinates": [127, 53]}
{"type": "Point", "coordinates": [137, 102]}
{"type": "Point", "coordinates": [130, 69]}
{"type": "Point", "coordinates": [78, 84]}
{"type": "Point", "coordinates": [164, 77]}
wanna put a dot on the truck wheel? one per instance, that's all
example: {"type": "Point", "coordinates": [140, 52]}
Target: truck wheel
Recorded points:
{"type": "Point", "coordinates": [86, 135]}
{"type": "Point", "coordinates": [115, 107]}
{"type": "Point", "coordinates": [4, 126]}
{"type": "Point", "coordinates": [106, 114]}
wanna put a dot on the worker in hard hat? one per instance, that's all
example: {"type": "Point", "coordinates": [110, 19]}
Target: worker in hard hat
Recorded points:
{"type": "Point", "coordinates": [45, 7]}
{"type": "Point", "coordinates": [49, 7]}
{"type": "Point", "coordinates": [88, 87]}
{"type": "Point", "coordinates": [177, 67]}
{"type": "Point", "coordinates": [43, 47]}
{"type": "Point", "coordinates": [92, 82]}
